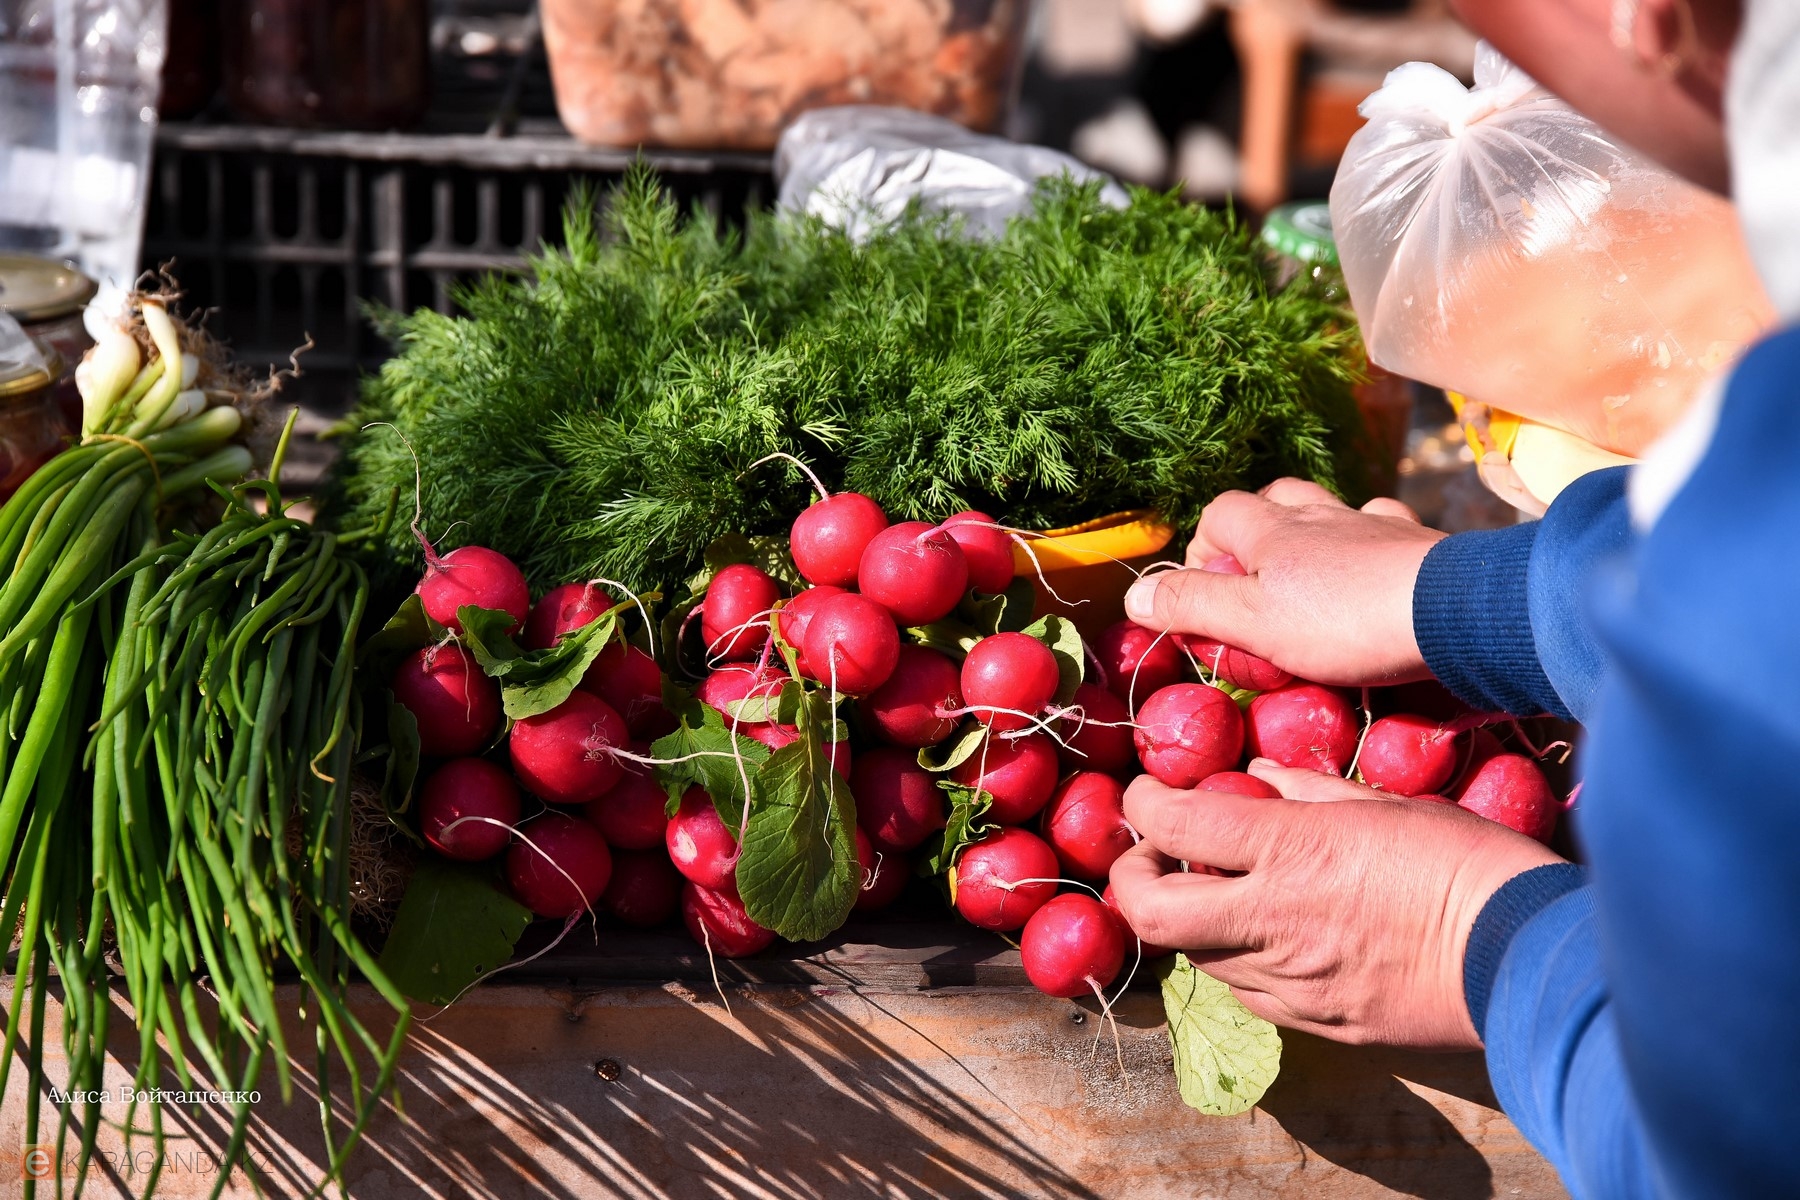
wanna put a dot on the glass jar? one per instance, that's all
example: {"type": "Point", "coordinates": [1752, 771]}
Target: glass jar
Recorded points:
{"type": "Point", "coordinates": [33, 426]}
{"type": "Point", "coordinates": [353, 64]}
{"type": "Point", "coordinates": [47, 298]}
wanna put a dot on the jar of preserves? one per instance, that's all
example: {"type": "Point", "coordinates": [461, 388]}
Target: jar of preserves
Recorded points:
{"type": "Point", "coordinates": [48, 299]}
{"type": "Point", "coordinates": [351, 64]}
{"type": "Point", "coordinates": [33, 426]}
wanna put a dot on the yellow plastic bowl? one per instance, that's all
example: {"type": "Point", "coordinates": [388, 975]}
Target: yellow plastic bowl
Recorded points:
{"type": "Point", "coordinates": [1090, 565]}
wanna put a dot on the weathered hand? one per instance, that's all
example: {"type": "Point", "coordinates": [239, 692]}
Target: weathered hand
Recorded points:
{"type": "Point", "coordinates": [1353, 912]}
{"type": "Point", "coordinates": [1329, 590]}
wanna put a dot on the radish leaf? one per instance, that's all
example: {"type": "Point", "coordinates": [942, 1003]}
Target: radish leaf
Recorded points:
{"type": "Point", "coordinates": [955, 750]}
{"type": "Point", "coordinates": [797, 872]}
{"type": "Point", "coordinates": [965, 827]}
{"type": "Point", "coordinates": [1225, 1056]}
{"type": "Point", "coordinates": [705, 752]}
{"type": "Point", "coordinates": [1008, 612]}
{"type": "Point", "coordinates": [1064, 640]}
{"type": "Point", "coordinates": [454, 925]}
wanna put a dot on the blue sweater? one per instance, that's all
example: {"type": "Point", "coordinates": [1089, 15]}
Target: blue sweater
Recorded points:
{"type": "Point", "coordinates": [1642, 1015]}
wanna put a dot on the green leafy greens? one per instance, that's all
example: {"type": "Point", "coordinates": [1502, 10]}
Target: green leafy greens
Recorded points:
{"type": "Point", "coordinates": [600, 417]}
{"type": "Point", "coordinates": [1225, 1056]}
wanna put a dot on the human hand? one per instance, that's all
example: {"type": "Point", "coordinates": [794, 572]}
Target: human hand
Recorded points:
{"type": "Point", "coordinates": [1328, 594]}
{"type": "Point", "coordinates": [1353, 913]}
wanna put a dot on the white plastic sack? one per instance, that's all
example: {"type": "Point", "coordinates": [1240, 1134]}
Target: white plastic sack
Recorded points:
{"type": "Point", "coordinates": [857, 166]}
{"type": "Point", "coordinates": [1497, 243]}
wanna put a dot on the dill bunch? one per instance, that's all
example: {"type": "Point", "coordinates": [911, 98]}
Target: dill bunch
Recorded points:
{"type": "Point", "coordinates": [597, 417]}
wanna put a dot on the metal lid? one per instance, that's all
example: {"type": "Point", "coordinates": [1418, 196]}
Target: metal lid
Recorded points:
{"type": "Point", "coordinates": [37, 289]}
{"type": "Point", "coordinates": [1302, 230]}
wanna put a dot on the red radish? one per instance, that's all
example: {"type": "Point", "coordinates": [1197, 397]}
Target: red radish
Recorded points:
{"type": "Point", "coordinates": [699, 844]}
{"type": "Point", "coordinates": [851, 643]}
{"type": "Point", "coordinates": [1482, 746]}
{"type": "Point", "coordinates": [559, 866]}
{"type": "Point", "coordinates": [1100, 739]}
{"type": "Point", "coordinates": [1304, 725]}
{"type": "Point", "coordinates": [1147, 949]}
{"type": "Point", "coordinates": [1009, 671]}
{"type": "Point", "coordinates": [727, 685]}
{"type": "Point", "coordinates": [456, 706]}
{"type": "Point", "coordinates": [563, 609]}
{"type": "Point", "coordinates": [645, 889]}
{"type": "Point", "coordinates": [1019, 773]}
{"type": "Point", "coordinates": [717, 920]}
{"type": "Point", "coordinates": [629, 680]}
{"type": "Point", "coordinates": [472, 576]}
{"type": "Point", "coordinates": [988, 880]}
{"type": "Point", "coordinates": [1433, 798]}
{"type": "Point", "coordinates": [1407, 755]}
{"type": "Point", "coordinates": [634, 814]}
{"type": "Point", "coordinates": [905, 711]}
{"type": "Point", "coordinates": [1239, 668]}
{"type": "Point", "coordinates": [883, 875]}
{"type": "Point", "coordinates": [468, 788]}
{"type": "Point", "coordinates": [987, 548]}
{"type": "Point", "coordinates": [1188, 731]}
{"type": "Point", "coordinates": [915, 570]}
{"type": "Point", "coordinates": [828, 539]}
{"type": "Point", "coordinates": [734, 617]}
{"type": "Point", "coordinates": [794, 616]}
{"type": "Point", "coordinates": [1072, 946]}
{"type": "Point", "coordinates": [1239, 783]}
{"type": "Point", "coordinates": [566, 755]}
{"type": "Point", "coordinates": [1085, 824]}
{"type": "Point", "coordinates": [1137, 661]}
{"type": "Point", "coordinates": [777, 736]}
{"type": "Point", "coordinates": [1510, 789]}
{"type": "Point", "coordinates": [898, 802]}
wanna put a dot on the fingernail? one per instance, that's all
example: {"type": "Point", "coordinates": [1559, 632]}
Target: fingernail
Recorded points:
{"type": "Point", "coordinates": [1140, 601]}
{"type": "Point", "coordinates": [1266, 764]}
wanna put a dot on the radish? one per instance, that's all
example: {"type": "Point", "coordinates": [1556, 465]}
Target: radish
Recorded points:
{"type": "Point", "coordinates": [1009, 671]}
{"type": "Point", "coordinates": [1304, 725]}
{"type": "Point", "coordinates": [559, 866]}
{"type": "Point", "coordinates": [1239, 668]}
{"type": "Point", "coordinates": [988, 881]}
{"type": "Point", "coordinates": [699, 844]}
{"type": "Point", "coordinates": [1085, 824]}
{"type": "Point", "coordinates": [474, 788]}
{"type": "Point", "coordinates": [1188, 731]}
{"type": "Point", "coordinates": [914, 570]}
{"type": "Point", "coordinates": [472, 576]}
{"type": "Point", "coordinates": [563, 609]}
{"type": "Point", "coordinates": [1407, 755]}
{"type": "Point", "coordinates": [566, 755]}
{"type": "Point", "coordinates": [629, 680]}
{"type": "Point", "coordinates": [1482, 746]}
{"type": "Point", "coordinates": [1147, 949]}
{"type": "Point", "coordinates": [829, 538]}
{"type": "Point", "coordinates": [898, 802]}
{"type": "Point", "coordinates": [634, 814]}
{"type": "Point", "coordinates": [1019, 773]}
{"type": "Point", "coordinates": [734, 617]}
{"type": "Point", "coordinates": [987, 548]}
{"type": "Point", "coordinates": [717, 920]}
{"type": "Point", "coordinates": [645, 889]}
{"type": "Point", "coordinates": [456, 706]}
{"type": "Point", "coordinates": [728, 685]}
{"type": "Point", "coordinates": [794, 616]}
{"type": "Point", "coordinates": [1239, 783]}
{"type": "Point", "coordinates": [1434, 798]}
{"type": "Point", "coordinates": [1100, 739]}
{"type": "Point", "coordinates": [883, 875]}
{"type": "Point", "coordinates": [1510, 789]}
{"type": "Point", "coordinates": [1072, 946]}
{"type": "Point", "coordinates": [851, 643]}
{"type": "Point", "coordinates": [908, 709]}
{"type": "Point", "coordinates": [1136, 661]}
{"type": "Point", "coordinates": [777, 736]}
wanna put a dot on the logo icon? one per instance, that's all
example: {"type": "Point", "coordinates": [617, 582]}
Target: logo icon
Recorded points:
{"type": "Point", "coordinates": [38, 1161]}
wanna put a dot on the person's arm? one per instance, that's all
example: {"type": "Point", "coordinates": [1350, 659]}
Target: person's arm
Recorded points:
{"type": "Point", "coordinates": [1498, 614]}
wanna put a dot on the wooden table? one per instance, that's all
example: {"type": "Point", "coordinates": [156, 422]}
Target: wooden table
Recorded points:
{"type": "Point", "coordinates": [897, 1060]}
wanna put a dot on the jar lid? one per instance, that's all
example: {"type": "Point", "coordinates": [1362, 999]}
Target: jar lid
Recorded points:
{"type": "Point", "coordinates": [1302, 230]}
{"type": "Point", "coordinates": [38, 289]}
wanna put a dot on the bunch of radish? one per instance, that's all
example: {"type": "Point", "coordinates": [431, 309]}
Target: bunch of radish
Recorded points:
{"type": "Point", "coordinates": [997, 761]}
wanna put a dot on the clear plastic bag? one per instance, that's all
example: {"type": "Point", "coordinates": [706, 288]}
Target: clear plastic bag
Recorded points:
{"type": "Point", "coordinates": [1497, 243]}
{"type": "Point", "coordinates": [857, 166]}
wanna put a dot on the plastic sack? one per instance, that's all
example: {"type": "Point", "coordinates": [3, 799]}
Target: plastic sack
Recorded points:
{"type": "Point", "coordinates": [858, 166]}
{"type": "Point", "coordinates": [1497, 243]}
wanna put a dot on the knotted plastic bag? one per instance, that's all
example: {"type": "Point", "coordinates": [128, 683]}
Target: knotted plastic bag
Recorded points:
{"type": "Point", "coordinates": [1497, 243]}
